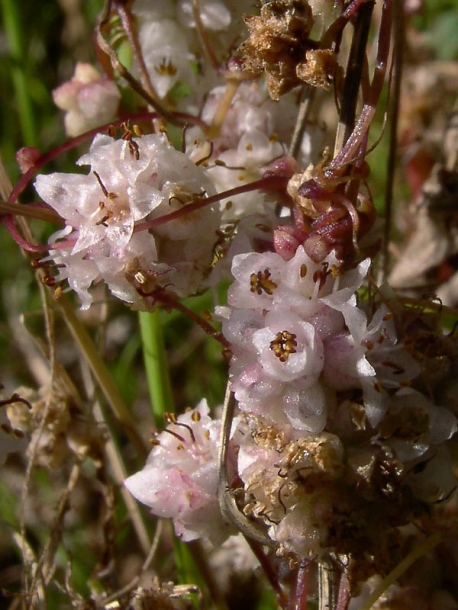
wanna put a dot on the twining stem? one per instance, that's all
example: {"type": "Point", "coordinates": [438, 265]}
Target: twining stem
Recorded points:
{"type": "Point", "coordinates": [49, 156]}
{"type": "Point", "coordinates": [128, 25]}
{"type": "Point", "coordinates": [30, 211]}
{"type": "Point", "coordinates": [269, 183]}
{"type": "Point", "coordinates": [348, 153]}
{"type": "Point", "coordinates": [155, 359]}
{"type": "Point", "coordinates": [203, 38]}
{"type": "Point", "coordinates": [300, 587]}
{"type": "Point", "coordinates": [226, 499]}
{"type": "Point", "coordinates": [122, 71]}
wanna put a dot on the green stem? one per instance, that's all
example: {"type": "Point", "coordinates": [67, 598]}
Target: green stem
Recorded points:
{"type": "Point", "coordinates": [155, 359]}
{"type": "Point", "coordinates": [21, 84]}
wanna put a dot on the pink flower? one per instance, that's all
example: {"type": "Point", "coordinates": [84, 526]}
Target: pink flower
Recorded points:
{"type": "Point", "coordinates": [89, 100]}
{"type": "Point", "coordinates": [132, 182]}
{"type": "Point", "coordinates": [180, 478]}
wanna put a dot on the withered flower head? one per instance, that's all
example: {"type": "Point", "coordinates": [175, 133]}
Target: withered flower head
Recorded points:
{"type": "Point", "coordinates": [278, 42]}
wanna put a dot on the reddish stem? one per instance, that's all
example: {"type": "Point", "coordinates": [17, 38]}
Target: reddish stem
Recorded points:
{"type": "Point", "coordinates": [299, 590]}
{"type": "Point", "coordinates": [269, 571]}
{"type": "Point", "coordinates": [161, 297]}
{"type": "Point", "coordinates": [335, 29]}
{"type": "Point", "coordinates": [348, 153]}
{"type": "Point", "coordinates": [8, 219]}
{"type": "Point", "coordinates": [88, 135]}
{"type": "Point", "coordinates": [205, 326]}
{"type": "Point", "coordinates": [129, 28]}
{"type": "Point", "coordinates": [269, 183]}
{"type": "Point", "coordinates": [203, 38]}
{"type": "Point", "coordinates": [343, 595]}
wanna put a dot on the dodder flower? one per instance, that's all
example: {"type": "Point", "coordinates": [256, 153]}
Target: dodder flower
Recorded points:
{"type": "Point", "coordinates": [180, 479]}
{"type": "Point", "coordinates": [285, 315]}
{"type": "Point", "coordinates": [89, 100]}
{"type": "Point", "coordinates": [129, 182]}
{"type": "Point", "coordinates": [298, 337]}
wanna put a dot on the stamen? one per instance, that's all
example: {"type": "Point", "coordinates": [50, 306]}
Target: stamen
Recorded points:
{"type": "Point", "coordinates": [284, 345]}
{"type": "Point", "coordinates": [166, 68]}
{"type": "Point", "coordinates": [171, 418]}
{"type": "Point", "coordinates": [175, 434]}
{"type": "Point", "coordinates": [14, 398]}
{"type": "Point", "coordinates": [105, 191]}
{"type": "Point", "coordinates": [283, 505]}
{"type": "Point", "coordinates": [207, 157]}
{"type": "Point", "coordinates": [188, 428]}
{"type": "Point", "coordinates": [261, 281]}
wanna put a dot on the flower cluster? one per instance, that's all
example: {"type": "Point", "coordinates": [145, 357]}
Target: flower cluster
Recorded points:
{"type": "Point", "coordinates": [132, 182]}
{"type": "Point", "coordinates": [328, 400]}
{"type": "Point", "coordinates": [298, 337]}
{"type": "Point", "coordinates": [250, 141]}
{"type": "Point", "coordinates": [170, 45]}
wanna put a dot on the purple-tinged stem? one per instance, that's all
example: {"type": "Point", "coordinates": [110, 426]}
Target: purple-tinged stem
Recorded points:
{"type": "Point", "coordinates": [269, 571]}
{"type": "Point", "coordinates": [269, 183]}
{"type": "Point", "coordinates": [88, 135]}
{"type": "Point", "coordinates": [299, 589]}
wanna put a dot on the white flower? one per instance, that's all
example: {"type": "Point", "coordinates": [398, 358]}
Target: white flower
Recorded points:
{"type": "Point", "coordinates": [413, 425]}
{"type": "Point", "coordinates": [131, 182]}
{"type": "Point", "coordinates": [245, 164]}
{"type": "Point", "coordinates": [291, 347]}
{"type": "Point", "coordinates": [180, 478]}
{"type": "Point", "coordinates": [166, 54]}
{"type": "Point", "coordinates": [89, 100]}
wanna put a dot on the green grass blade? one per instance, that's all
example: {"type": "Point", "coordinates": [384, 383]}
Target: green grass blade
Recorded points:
{"type": "Point", "coordinates": [155, 359]}
{"type": "Point", "coordinates": [19, 77]}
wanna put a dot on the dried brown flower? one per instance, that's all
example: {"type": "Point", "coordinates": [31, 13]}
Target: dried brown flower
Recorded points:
{"type": "Point", "coordinates": [278, 42]}
{"type": "Point", "coordinates": [319, 68]}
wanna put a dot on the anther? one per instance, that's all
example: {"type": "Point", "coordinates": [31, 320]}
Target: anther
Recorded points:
{"type": "Point", "coordinates": [284, 345]}
{"type": "Point", "coordinates": [261, 281]}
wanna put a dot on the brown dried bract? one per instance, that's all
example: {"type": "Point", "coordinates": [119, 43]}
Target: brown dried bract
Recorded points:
{"type": "Point", "coordinates": [278, 42]}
